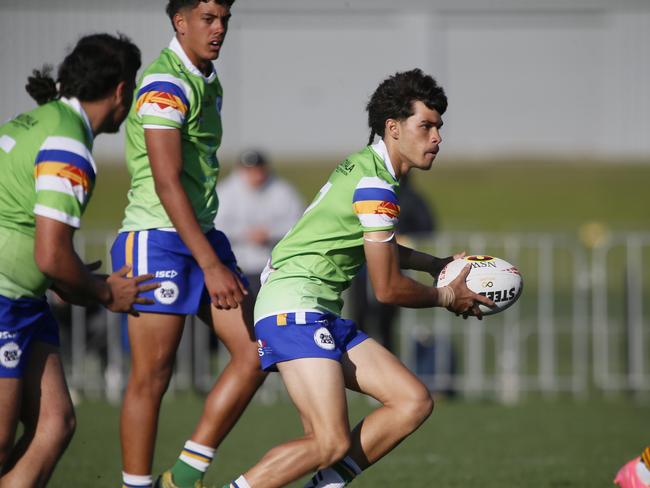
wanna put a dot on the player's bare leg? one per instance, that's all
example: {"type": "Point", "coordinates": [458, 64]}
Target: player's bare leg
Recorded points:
{"type": "Point", "coordinates": [11, 390]}
{"type": "Point", "coordinates": [406, 402]}
{"type": "Point", "coordinates": [316, 386]}
{"type": "Point", "coordinates": [371, 369]}
{"type": "Point", "coordinates": [154, 340]}
{"type": "Point", "coordinates": [48, 418]}
{"type": "Point", "coordinates": [239, 380]}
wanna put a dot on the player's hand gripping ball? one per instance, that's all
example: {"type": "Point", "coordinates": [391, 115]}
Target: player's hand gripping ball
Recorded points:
{"type": "Point", "coordinates": [492, 277]}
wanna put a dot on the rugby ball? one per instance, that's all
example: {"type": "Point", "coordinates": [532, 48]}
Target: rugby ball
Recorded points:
{"type": "Point", "coordinates": [492, 277]}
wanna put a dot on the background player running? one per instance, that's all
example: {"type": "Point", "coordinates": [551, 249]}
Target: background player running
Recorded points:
{"type": "Point", "coordinates": [297, 314]}
{"type": "Point", "coordinates": [48, 176]}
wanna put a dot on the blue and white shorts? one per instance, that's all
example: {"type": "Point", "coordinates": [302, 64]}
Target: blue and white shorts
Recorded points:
{"type": "Point", "coordinates": [22, 322]}
{"type": "Point", "coordinates": [297, 335]}
{"type": "Point", "coordinates": [164, 254]}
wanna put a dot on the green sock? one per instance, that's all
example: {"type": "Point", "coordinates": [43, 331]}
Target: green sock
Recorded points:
{"type": "Point", "coordinates": [184, 475]}
{"type": "Point", "coordinates": [192, 464]}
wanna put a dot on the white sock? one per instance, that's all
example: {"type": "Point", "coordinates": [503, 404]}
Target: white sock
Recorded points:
{"type": "Point", "coordinates": [240, 483]}
{"type": "Point", "coordinates": [197, 455]}
{"type": "Point", "coordinates": [337, 476]}
{"type": "Point", "coordinates": [136, 481]}
{"type": "Point", "coordinates": [643, 472]}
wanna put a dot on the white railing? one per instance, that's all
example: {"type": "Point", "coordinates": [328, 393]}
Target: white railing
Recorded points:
{"type": "Point", "coordinates": [580, 326]}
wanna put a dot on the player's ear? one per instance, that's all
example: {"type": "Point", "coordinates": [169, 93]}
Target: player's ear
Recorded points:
{"type": "Point", "coordinates": [120, 92]}
{"type": "Point", "coordinates": [179, 23]}
{"type": "Point", "coordinates": [392, 128]}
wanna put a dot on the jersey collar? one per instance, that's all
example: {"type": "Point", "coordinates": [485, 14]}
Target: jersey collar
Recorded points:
{"type": "Point", "coordinates": [75, 105]}
{"type": "Point", "coordinates": [381, 149]}
{"type": "Point", "coordinates": [176, 47]}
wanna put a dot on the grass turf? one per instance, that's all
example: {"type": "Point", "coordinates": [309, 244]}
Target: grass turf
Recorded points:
{"type": "Point", "coordinates": [490, 196]}
{"type": "Point", "coordinates": [556, 444]}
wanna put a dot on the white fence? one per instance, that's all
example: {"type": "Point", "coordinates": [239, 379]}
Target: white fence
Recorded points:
{"type": "Point", "coordinates": [580, 326]}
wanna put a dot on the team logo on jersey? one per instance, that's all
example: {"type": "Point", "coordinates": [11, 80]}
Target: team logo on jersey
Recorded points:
{"type": "Point", "coordinates": [167, 293]}
{"type": "Point", "coordinates": [162, 101]}
{"type": "Point", "coordinates": [219, 103]}
{"type": "Point", "coordinates": [323, 339]}
{"type": "Point", "coordinates": [10, 355]}
{"type": "Point", "coordinates": [7, 335]}
{"type": "Point", "coordinates": [388, 208]}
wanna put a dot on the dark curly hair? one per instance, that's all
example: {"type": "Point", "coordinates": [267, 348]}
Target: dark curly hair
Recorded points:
{"type": "Point", "coordinates": [96, 65]}
{"type": "Point", "coordinates": [395, 96]}
{"type": "Point", "coordinates": [175, 5]}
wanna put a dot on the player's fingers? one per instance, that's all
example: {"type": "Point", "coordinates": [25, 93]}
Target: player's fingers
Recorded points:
{"type": "Point", "coordinates": [484, 300]}
{"type": "Point", "coordinates": [148, 287]}
{"type": "Point", "coordinates": [459, 255]}
{"type": "Point", "coordinates": [123, 271]}
{"type": "Point", "coordinates": [144, 301]}
{"type": "Point", "coordinates": [144, 277]}
{"type": "Point", "coordinates": [242, 288]}
{"type": "Point", "coordinates": [476, 311]}
{"type": "Point", "coordinates": [464, 272]}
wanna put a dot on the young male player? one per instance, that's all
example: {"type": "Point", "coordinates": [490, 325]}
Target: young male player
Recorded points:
{"type": "Point", "coordinates": [48, 176]}
{"type": "Point", "coordinates": [297, 314]}
{"type": "Point", "coordinates": [173, 132]}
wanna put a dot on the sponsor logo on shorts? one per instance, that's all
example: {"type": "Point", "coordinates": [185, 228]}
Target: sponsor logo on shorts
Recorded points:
{"type": "Point", "coordinates": [10, 355]}
{"type": "Point", "coordinates": [167, 293]}
{"type": "Point", "coordinates": [7, 335]}
{"type": "Point", "coordinates": [170, 273]}
{"type": "Point", "coordinates": [262, 348]}
{"type": "Point", "coordinates": [323, 339]}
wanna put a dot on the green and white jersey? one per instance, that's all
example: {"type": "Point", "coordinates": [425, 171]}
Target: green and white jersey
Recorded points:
{"type": "Point", "coordinates": [48, 170]}
{"type": "Point", "coordinates": [173, 94]}
{"type": "Point", "coordinates": [317, 259]}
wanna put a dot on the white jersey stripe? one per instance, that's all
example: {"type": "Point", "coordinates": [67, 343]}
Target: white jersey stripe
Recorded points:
{"type": "Point", "coordinates": [67, 144]}
{"type": "Point", "coordinates": [143, 255]}
{"type": "Point", "coordinates": [147, 80]}
{"type": "Point", "coordinates": [57, 215]}
{"type": "Point", "coordinates": [61, 185]}
{"type": "Point", "coordinates": [374, 182]}
{"type": "Point", "coordinates": [376, 220]}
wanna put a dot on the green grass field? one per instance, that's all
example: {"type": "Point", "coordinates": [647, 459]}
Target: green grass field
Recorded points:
{"type": "Point", "coordinates": [558, 444]}
{"type": "Point", "coordinates": [489, 196]}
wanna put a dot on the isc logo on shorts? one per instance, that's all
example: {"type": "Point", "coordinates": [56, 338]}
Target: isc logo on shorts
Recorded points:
{"type": "Point", "coordinates": [170, 273]}
{"type": "Point", "coordinates": [323, 339]}
{"type": "Point", "coordinates": [167, 293]}
{"type": "Point", "coordinates": [10, 355]}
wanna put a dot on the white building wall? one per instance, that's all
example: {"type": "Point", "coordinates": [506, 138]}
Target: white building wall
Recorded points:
{"type": "Point", "coordinates": [568, 78]}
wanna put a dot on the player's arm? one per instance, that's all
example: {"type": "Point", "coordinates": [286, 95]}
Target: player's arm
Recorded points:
{"type": "Point", "coordinates": [393, 287]}
{"type": "Point", "coordinates": [421, 261]}
{"type": "Point", "coordinates": [165, 157]}
{"type": "Point", "coordinates": [56, 258]}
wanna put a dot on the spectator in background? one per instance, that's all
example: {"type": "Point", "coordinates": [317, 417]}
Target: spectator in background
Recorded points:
{"type": "Point", "coordinates": [415, 221]}
{"type": "Point", "coordinates": [256, 209]}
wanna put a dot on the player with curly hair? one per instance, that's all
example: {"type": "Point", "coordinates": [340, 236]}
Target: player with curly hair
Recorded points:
{"type": "Point", "coordinates": [297, 315]}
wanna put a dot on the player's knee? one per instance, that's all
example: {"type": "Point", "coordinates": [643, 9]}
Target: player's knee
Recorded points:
{"type": "Point", "coordinates": [58, 428]}
{"type": "Point", "coordinates": [152, 383]}
{"type": "Point", "coordinates": [415, 407]}
{"type": "Point", "coordinates": [247, 362]}
{"type": "Point", "coordinates": [333, 447]}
